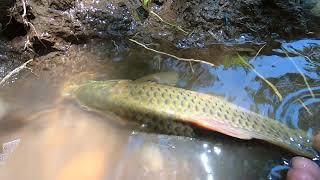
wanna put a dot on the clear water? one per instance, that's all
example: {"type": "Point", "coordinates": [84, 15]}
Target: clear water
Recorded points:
{"type": "Point", "coordinates": [60, 134]}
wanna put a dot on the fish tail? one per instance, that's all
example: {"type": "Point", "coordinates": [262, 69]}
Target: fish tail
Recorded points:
{"type": "Point", "coordinates": [294, 140]}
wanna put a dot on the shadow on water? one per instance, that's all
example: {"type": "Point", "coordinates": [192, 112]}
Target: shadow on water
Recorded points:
{"type": "Point", "coordinates": [69, 140]}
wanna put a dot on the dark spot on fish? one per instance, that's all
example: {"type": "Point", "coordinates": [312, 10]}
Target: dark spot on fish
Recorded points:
{"type": "Point", "coordinates": [211, 112]}
{"type": "Point", "coordinates": [174, 102]}
{"type": "Point", "coordinates": [162, 95]}
{"type": "Point", "coordinates": [158, 89]}
{"type": "Point", "coordinates": [151, 88]}
{"type": "Point", "coordinates": [166, 90]}
{"type": "Point", "coordinates": [154, 94]}
{"type": "Point", "coordinates": [170, 95]}
{"type": "Point", "coordinates": [178, 97]}
{"type": "Point", "coordinates": [246, 123]}
{"type": "Point", "coordinates": [166, 101]}
{"type": "Point", "coordinates": [185, 98]}
{"type": "Point", "coordinates": [254, 125]}
{"type": "Point", "coordinates": [225, 116]}
{"type": "Point", "coordinates": [192, 100]}
{"type": "Point", "coordinates": [135, 87]}
{"type": "Point", "coordinates": [204, 110]}
{"type": "Point", "coordinates": [235, 114]}
{"type": "Point", "coordinates": [181, 102]}
{"type": "Point", "coordinates": [196, 108]}
{"type": "Point", "coordinates": [144, 87]}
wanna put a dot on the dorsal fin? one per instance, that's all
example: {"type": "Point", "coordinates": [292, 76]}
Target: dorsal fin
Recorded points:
{"type": "Point", "coordinates": [168, 78]}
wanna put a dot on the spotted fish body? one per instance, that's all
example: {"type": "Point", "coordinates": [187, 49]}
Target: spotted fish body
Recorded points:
{"type": "Point", "coordinates": [173, 106]}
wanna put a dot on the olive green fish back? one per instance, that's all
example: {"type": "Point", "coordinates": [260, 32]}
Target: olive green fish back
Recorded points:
{"type": "Point", "coordinates": [214, 113]}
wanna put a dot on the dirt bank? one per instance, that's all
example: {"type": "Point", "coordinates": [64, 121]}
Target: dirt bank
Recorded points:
{"type": "Point", "coordinates": [33, 28]}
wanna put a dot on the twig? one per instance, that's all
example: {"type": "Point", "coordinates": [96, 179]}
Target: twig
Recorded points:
{"type": "Point", "coordinates": [170, 24]}
{"type": "Point", "coordinates": [15, 71]}
{"type": "Point", "coordinates": [306, 57]}
{"type": "Point", "coordinates": [273, 87]}
{"type": "Point", "coordinates": [191, 66]}
{"type": "Point", "coordinates": [301, 73]}
{"type": "Point", "coordinates": [259, 51]}
{"type": "Point", "coordinates": [173, 56]}
{"type": "Point", "coordinates": [304, 106]}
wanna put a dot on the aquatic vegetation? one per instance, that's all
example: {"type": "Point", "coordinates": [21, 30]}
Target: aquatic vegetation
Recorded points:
{"type": "Point", "coordinates": [273, 87]}
{"type": "Point", "coordinates": [301, 73]}
{"type": "Point", "coordinates": [146, 4]}
{"type": "Point", "coordinates": [236, 61]}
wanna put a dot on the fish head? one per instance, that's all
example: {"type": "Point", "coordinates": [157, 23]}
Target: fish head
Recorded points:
{"type": "Point", "coordinates": [100, 94]}
{"type": "Point", "coordinates": [73, 82]}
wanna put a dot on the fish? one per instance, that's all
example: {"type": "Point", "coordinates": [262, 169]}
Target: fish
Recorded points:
{"type": "Point", "coordinates": [176, 110]}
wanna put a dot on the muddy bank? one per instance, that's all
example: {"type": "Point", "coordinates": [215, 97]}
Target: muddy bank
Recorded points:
{"type": "Point", "coordinates": [52, 25]}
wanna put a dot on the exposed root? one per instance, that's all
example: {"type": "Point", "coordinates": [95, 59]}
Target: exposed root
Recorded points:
{"type": "Point", "coordinates": [15, 71]}
{"type": "Point", "coordinates": [300, 72]}
{"type": "Point", "coordinates": [27, 23]}
{"type": "Point", "coordinates": [28, 45]}
{"type": "Point", "coordinates": [173, 56]}
{"type": "Point", "coordinates": [10, 20]}
{"type": "Point", "coordinates": [273, 87]}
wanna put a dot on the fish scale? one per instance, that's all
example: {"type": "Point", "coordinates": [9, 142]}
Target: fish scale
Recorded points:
{"type": "Point", "coordinates": [172, 109]}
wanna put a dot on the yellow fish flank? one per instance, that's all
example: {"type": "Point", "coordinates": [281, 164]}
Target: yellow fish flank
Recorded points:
{"type": "Point", "coordinates": [172, 105]}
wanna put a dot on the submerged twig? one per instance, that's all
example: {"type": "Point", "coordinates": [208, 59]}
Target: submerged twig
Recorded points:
{"type": "Point", "coordinates": [304, 106]}
{"type": "Point", "coordinates": [15, 71]}
{"type": "Point", "coordinates": [259, 51]}
{"type": "Point", "coordinates": [170, 24]}
{"type": "Point", "coordinates": [273, 87]}
{"type": "Point", "coordinates": [173, 56]}
{"type": "Point", "coordinates": [300, 72]}
{"type": "Point", "coordinates": [306, 57]}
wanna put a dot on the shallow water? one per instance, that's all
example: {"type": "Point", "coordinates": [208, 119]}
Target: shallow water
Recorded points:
{"type": "Point", "coordinates": [57, 139]}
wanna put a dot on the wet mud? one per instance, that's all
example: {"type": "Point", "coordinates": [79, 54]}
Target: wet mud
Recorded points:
{"type": "Point", "coordinates": [47, 26]}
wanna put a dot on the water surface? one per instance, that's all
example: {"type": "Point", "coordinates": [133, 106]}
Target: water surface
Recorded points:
{"type": "Point", "coordinates": [58, 136]}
